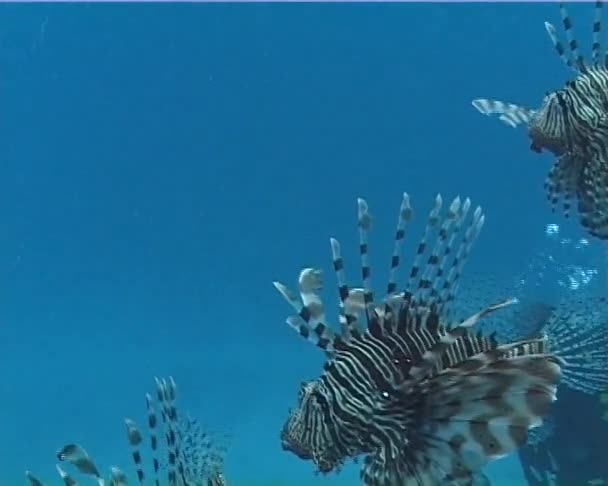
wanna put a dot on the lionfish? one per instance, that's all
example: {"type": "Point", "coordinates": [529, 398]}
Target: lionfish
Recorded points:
{"type": "Point", "coordinates": [571, 123]}
{"type": "Point", "coordinates": [193, 457]}
{"type": "Point", "coordinates": [423, 399]}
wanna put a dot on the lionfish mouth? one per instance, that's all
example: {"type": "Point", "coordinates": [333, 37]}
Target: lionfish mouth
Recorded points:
{"type": "Point", "coordinates": [290, 446]}
{"type": "Point", "coordinates": [536, 148]}
{"type": "Point", "coordinates": [542, 142]}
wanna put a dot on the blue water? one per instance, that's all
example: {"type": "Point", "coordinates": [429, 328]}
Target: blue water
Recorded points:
{"type": "Point", "coordinates": [161, 165]}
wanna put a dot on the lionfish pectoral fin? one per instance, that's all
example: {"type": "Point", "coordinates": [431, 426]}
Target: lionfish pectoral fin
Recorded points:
{"type": "Point", "coordinates": [484, 414]}
{"type": "Point", "coordinates": [509, 113]}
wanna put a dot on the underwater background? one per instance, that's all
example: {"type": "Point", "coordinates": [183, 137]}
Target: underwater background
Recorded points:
{"type": "Point", "coordinates": [161, 165]}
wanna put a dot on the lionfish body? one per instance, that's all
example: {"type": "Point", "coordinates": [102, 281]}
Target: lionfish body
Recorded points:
{"type": "Point", "coordinates": [190, 456]}
{"type": "Point", "coordinates": [572, 124]}
{"type": "Point", "coordinates": [423, 399]}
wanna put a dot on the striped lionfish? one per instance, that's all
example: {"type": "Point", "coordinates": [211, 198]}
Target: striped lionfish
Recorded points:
{"type": "Point", "coordinates": [571, 123]}
{"type": "Point", "coordinates": [424, 400]}
{"type": "Point", "coordinates": [192, 456]}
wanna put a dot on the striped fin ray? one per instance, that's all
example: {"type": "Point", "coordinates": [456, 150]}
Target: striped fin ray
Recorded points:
{"type": "Point", "coordinates": [364, 222]}
{"type": "Point", "coordinates": [432, 356]}
{"type": "Point", "coordinates": [576, 59]}
{"type": "Point", "coordinates": [67, 479]}
{"type": "Point", "coordinates": [117, 477]}
{"type": "Point", "coordinates": [561, 52]}
{"type": "Point", "coordinates": [415, 272]}
{"type": "Point", "coordinates": [349, 323]}
{"type": "Point", "coordinates": [562, 181]}
{"type": "Point", "coordinates": [597, 27]}
{"type": "Point", "coordinates": [509, 113]}
{"type": "Point", "coordinates": [162, 399]}
{"type": "Point", "coordinates": [593, 198]}
{"type": "Point", "coordinates": [166, 390]}
{"type": "Point", "coordinates": [77, 456]}
{"type": "Point", "coordinates": [433, 270]}
{"type": "Point", "coordinates": [309, 283]}
{"type": "Point", "coordinates": [405, 215]}
{"type": "Point", "coordinates": [152, 428]}
{"type": "Point", "coordinates": [437, 284]}
{"type": "Point", "coordinates": [309, 322]}
{"type": "Point", "coordinates": [450, 286]}
{"type": "Point", "coordinates": [134, 438]}
{"type": "Point", "coordinates": [33, 480]}
{"type": "Point", "coordinates": [577, 333]}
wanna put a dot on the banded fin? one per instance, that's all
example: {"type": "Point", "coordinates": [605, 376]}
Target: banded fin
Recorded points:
{"type": "Point", "coordinates": [430, 359]}
{"type": "Point", "coordinates": [76, 455]}
{"type": "Point", "coordinates": [471, 416]}
{"type": "Point", "coordinates": [67, 479]}
{"type": "Point", "coordinates": [509, 113]}
{"type": "Point", "coordinates": [562, 182]}
{"type": "Point", "coordinates": [577, 333]}
{"type": "Point", "coordinates": [432, 282]}
{"type": "Point", "coordinates": [118, 477]}
{"type": "Point", "coordinates": [593, 198]}
{"type": "Point", "coordinates": [33, 480]}
{"type": "Point", "coordinates": [135, 439]}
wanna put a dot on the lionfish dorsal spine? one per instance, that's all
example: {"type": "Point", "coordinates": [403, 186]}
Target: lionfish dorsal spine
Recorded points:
{"type": "Point", "coordinates": [364, 222]}
{"type": "Point", "coordinates": [153, 432]}
{"type": "Point", "coordinates": [597, 27]}
{"type": "Point", "coordinates": [135, 439]}
{"type": "Point", "coordinates": [415, 271]}
{"type": "Point", "coordinates": [450, 286]}
{"type": "Point", "coordinates": [437, 288]}
{"type": "Point", "coordinates": [575, 60]}
{"type": "Point", "coordinates": [67, 479]}
{"type": "Point", "coordinates": [405, 216]}
{"type": "Point", "coordinates": [310, 319]}
{"type": "Point", "coordinates": [433, 270]}
{"type": "Point", "coordinates": [432, 356]}
{"type": "Point", "coordinates": [348, 318]}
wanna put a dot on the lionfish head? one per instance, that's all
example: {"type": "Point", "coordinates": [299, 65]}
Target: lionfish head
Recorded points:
{"type": "Point", "coordinates": [547, 128]}
{"type": "Point", "coordinates": [306, 432]}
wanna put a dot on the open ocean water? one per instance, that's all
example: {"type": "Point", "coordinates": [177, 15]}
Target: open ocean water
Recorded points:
{"type": "Point", "coordinates": [161, 165]}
